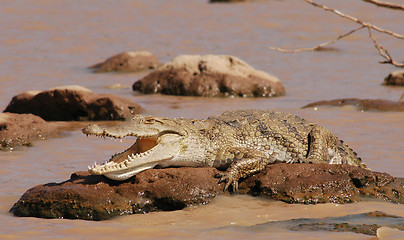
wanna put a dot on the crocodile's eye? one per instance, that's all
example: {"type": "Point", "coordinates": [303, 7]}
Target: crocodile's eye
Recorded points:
{"type": "Point", "coordinates": [149, 120]}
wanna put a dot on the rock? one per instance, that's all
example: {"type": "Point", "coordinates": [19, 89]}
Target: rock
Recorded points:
{"type": "Point", "coordinates": [209, 76]}
{"type": "Point", "coordinates": [387, 233]}
{"type": "Point", "coordinates": [93, 197]}
{"type": "Point", "coordinates": [362, 104]}
{"type": "Point", "coordinates": [128, 62]}
{"type": "Point", "coordinates": [22, 129]}
{"type": "Point", "coordinates": [323, 183]}
{"type": "Point", "coordinates": [370, 223]}
{"type": "Point", "coordinates": [395, 78]}
{"type": "Point", "coordinates": [73, 103]}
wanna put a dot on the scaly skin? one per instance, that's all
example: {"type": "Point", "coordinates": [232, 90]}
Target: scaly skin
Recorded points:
{"type": "Point", "coordinates": [243, 141]}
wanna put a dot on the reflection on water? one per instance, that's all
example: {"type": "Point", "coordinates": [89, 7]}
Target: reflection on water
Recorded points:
{"type": "Point", "coordinates": [50, 43]}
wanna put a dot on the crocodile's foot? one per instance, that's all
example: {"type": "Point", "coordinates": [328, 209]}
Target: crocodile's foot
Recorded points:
{"type": "Point", "coordinates": [229, 179]}
{"type": "Point", "coordinates": [246, 162]}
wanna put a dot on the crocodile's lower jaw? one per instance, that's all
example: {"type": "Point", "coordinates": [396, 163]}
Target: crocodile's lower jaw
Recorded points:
{"type": "Point", "coordinates": [145, 153]}
{"type": "Point", "coordinates": [127, 173]}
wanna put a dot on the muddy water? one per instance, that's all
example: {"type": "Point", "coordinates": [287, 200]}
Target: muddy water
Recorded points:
{"type": "Point", "coordinates": [44, 44]}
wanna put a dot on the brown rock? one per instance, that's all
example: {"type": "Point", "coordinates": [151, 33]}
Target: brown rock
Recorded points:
{"type": "Point", "coordinates": [22, 129]}
{"type": "Point", "coordinates": [209, 76]}
{"type": "Point", "coordinates": [362, 104]}
{"type": "Point", "coordinates": [323, 183]}
{"type": "Point", "coordinates": [97, 198]}
{"type": "Point", "coordinates": [395, 79]}
{"type": "Point", "coordinates": [70, 103]}
{"type": "Point", "coordinates": [128, 62]}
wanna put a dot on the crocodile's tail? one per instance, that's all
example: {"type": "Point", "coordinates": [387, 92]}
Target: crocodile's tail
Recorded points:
{"type": "Point", "coordinates": [349, 156]}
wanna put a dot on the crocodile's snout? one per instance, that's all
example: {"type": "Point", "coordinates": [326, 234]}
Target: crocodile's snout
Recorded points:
{"type": "Point", "coordinates": [92, 129]}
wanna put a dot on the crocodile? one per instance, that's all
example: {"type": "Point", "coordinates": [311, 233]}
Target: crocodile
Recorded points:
{"type": "Point", "coordinates": [241, 142]}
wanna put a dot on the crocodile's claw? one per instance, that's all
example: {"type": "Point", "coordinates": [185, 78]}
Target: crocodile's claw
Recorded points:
{"type": "Point", "coordinates": [229, 180]}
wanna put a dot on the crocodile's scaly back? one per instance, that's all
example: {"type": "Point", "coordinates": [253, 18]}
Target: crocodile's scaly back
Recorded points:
{"type": "Point", "coordinates": [241, 141]}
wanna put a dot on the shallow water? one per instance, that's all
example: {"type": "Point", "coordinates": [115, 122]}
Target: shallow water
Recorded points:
{"type": "Point", "coordinates": [50, 43]}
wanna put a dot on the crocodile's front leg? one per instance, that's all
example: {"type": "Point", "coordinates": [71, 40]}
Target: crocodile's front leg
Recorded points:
{"type": "Point", "coordinates": [245, 162]}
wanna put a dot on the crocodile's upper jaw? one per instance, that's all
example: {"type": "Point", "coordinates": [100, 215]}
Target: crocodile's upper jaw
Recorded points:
{"type": "Point", "coordinates": [148, 151]}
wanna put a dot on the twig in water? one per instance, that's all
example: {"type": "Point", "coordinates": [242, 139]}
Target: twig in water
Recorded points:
{"type": "Point", "coordinates": [383, 52]}
{"type": "Point", "coordinates": [317, 47]}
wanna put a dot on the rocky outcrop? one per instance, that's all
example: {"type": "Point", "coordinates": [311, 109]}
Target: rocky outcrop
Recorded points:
{"type": "Point", "coordinates": [23, 129]}
{"type": "Point", "coordinates": [128, 62]}
{"type": "Point", "coordinates": [93, 197]}
{"type": "Point", "coordinates": [209, 76]}
{"type": "Point", "coordinates": [73, 103]}
{"type": "Point", "coordinates": [395, 79]}
{"type": "Point", "coordinates": [362, 104]}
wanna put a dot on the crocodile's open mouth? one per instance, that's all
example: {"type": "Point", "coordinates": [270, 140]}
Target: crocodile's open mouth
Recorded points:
{"type": "Point", "coordinates": [145, 153]}
{"type": "Point", "coordinates": [152, 147]}
{"type": "Point", "coordinates": [140, 149]}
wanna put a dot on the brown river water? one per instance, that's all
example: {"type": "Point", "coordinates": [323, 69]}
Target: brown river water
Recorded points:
{"type": "Point", "coordinates": [49, 43]}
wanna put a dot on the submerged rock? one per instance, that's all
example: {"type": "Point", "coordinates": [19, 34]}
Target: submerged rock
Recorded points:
{"type": "Point", "coordinates": [73, 103]}
{"type": "Point", "coordinates": [362, 104]}
{"type": "Point", "coordinates": [23, 129]}
{"type": "Point", "coordinates": [395, 79]}
{"type": "Point", "coordinates": [128, 62]}
{"type": "Point", "coordinates": [92, 197]}
{"type": "Point", "coordinates": [371, 223]}
{"type": "Point", "coordinates": [209, 76]}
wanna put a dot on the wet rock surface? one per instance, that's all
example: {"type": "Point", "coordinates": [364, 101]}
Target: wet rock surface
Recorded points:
{"type": "Point", "coordinates": [73, 103]}
{"type": "Point", "coordinates": [362, 104]}
{"type": "Point", "coordinates": [394, 79]}
{"type": "Point", "coordinates": [93, 197]}
{"type": "Point", "coordinates": [23, 129]}
{"type": "Point", "coordinates": [128, 62]}
{"type": "Point", "coordinates": [209, 76]}
{"type": "Point", "coordinates": [323, 183]}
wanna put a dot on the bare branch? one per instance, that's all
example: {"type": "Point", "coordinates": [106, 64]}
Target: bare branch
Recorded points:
{"type": "Point", "coordinates": [319, 46]}
{"type": "Point", "coordinates": [385, 4]}
{"type": "Point", "coordinates": [383, 52]}
{"type": "Point", "coordinates": [355, 20]}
